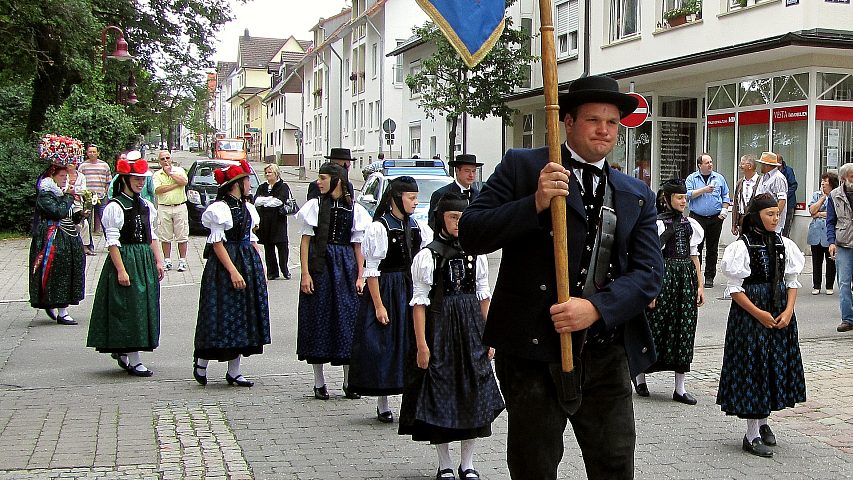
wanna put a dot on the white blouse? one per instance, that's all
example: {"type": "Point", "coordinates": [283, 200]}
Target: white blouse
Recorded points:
{"type": "Point", "coordinates": [307, 219]}
{"type": "Point", "coordinates": [113, 220]}
{"type": "Point", "coordinates": [217, 217]}
{"type": "Point", "coordinates": [423, 267]}
{"type": "Point", "coordinates": [695, 238]}
{"type": "Point", "coordinates": [374, 247]}
{"type": "Point", "coordinates": [735, 265]}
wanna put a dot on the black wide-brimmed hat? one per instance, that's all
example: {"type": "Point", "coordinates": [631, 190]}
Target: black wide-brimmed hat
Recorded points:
{"type": "Point", "coordinates": [339, 154]}
{"type": "Point", "coordinates": [596, 89]}
{"type": "Point", "coordinates": [464, 159]}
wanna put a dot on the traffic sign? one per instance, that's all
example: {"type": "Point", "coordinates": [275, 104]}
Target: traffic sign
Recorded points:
{"type": "Point", "coordinates": [640, 115]}
{"type": "Point", "coordinates": [388, 126]}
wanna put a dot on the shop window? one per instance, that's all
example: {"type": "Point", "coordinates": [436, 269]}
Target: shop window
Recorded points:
{"type": "Point", "coordinates": [754, 92]}
{"type": "Point", "coordinates": [790, 139]}
{"type": "Point", "coordinates": [835, 86]}
{"type": "Point", "coordinates": [753, 132]}
{"type": "Point", "coordinates": [677, 149]}
{"type": "Point", "coordinates": [721, 146]}
{"type": "Point", "coordinates": [679, 107]}
{"type": "Point", "coordinates": [789, 88]}
{"type": "Point", "coordinates": [722, 96]}
{"type": "Point", "coordinates": [835, 136]}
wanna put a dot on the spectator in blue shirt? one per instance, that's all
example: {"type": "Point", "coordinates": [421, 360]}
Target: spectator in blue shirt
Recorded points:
{"type": "Point", "coordinates": [791, 204]}
{"type": "Point", "coordinates": [708, 197]}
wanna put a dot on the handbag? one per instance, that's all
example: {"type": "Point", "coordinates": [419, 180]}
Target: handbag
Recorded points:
{"type": "Point", "coordinates": [289, 207]}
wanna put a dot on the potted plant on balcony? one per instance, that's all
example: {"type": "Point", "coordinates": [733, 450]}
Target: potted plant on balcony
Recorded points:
{"type": "Point", "coordinates": [678, 16]}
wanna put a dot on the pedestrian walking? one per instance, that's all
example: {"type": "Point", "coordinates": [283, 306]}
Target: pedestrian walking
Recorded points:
{"type": "Point", "coordinates": [708, 196]}
{"type": "Point", "coordinates": [773, 181]}
{"type": "Point", "coordinates": [791, 200]}
{"type": "Point", "coordinates": [672, 315]}
{"type": "Point", "coordinates": [57, 263]}
{"type": "Point", "coordinates": [233, 310]}
{"type": "Point", "coordinates": [98, 176]}
{"type": "Point", "coordinates": [817, 239]}
{"type": "Point", "coordinates": [839, 234]}
{"type": "Point", "coordinates": [332, 228]}
{"type": "Point", "coordinates": [173, 218]}
{"type": "Point", "coordinates": [611, 283]}
{"type": "Point", "coordinates": [762, 369]}
{"type": "Point", "coordinates": [126, 311]}
{"type": "Point", "coordinates": [383, 326]}
{"type": "Point", "coordinates": [274, 202]}
{"type": "Point", "coordinates": [450, 393]}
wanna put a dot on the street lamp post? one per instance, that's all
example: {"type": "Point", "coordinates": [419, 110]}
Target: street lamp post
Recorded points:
{"type": "Point", "coordinates": [125, 93]}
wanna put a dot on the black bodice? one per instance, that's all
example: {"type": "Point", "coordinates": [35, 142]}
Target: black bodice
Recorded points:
{"type": "Point", "coordinates": [761, 265]}
{"type": "Point", "coordinates": [400, 249]}
{"type": "Point", "coordinates": [678, 242]}
{"type": "Point", "coordinates": [458, 273]}
{"type": "Point", "coordinates": [340, 223]}
{"type": "Point", "coordinates": [137, 223]}
{"type": "Point", "coordinates": [241, 231]}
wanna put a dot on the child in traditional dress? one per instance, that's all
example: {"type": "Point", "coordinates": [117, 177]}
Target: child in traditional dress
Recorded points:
{"type": "Point", "coordinates": [57, 262]}
{"type": "Point", "coordinates": [451, 393]}
{"type": "Point", "coordinates": [126, 311]}
{"type": "Point", "coordinates": [672, 315]}
{"type": "Point", "coordinates": [383, 326]}
{"type": "Point", "coordinates": [233, 311]}
{"type": "Point", "coordinates": [332, 228]}
{"type": "Point", "coordinates": [762, 366]}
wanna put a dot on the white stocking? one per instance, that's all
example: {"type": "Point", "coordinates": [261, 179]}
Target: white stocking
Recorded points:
{"type": "Point", "coordinates": [679, 383]}
{"type": "Point", "coordinates": [382, 404]}
{"type": "Point", "coordinates": [234, 367]}
{"type": "Point", "coordinates": [468, 454]}
{"type": "Point", "coordinates": [319, 378]}
{"type": "Point", "coordinates": [443, 450]}
{"type": "Point", "coordinates": [751, 429]}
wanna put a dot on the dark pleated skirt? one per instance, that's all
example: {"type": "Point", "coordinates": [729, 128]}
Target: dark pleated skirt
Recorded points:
{"type": "Point", "coordinates": [457, 396]}
{"type": "Point", "coordinates": [378, 351]}
{"type": "Point", "coordinates": [57, 267]}
{"type": "Point", "coordinates": [326, 318]}
{"type": "Point", "coordinates": [127, 319]}
{"type": "Point", "coordinates": [762, 367]}
{"type": "Point", "coordinates": [232, 322]}
{"type": "Point", "coordinates": [673, 320]}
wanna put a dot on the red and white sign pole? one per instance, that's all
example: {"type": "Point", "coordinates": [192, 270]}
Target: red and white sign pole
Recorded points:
{"type": "Point", "coordinates": [640, 115]}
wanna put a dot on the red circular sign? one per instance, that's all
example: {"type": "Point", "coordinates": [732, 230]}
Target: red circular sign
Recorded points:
{"type": "Point", "coordinates": [640, 115]}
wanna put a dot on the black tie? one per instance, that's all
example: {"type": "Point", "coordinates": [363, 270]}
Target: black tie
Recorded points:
{"type": "Point", "coordinates": [589, 172]}
{"type": "Point", "coordinates": [467, 194]}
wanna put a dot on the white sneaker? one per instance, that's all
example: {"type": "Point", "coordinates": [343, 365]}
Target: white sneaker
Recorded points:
{"type": "Point", "coordinates": [815, 291]}
{"type": "Point", "coordinates": [167, 265]}
{"type": "Point", "coordinates": [829, 291]}
{"type": "Point", "coordinates": [182, 265]}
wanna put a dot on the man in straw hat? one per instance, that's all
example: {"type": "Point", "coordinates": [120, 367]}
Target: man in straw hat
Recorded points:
{"type": "Point", "coordinates": [773, 181]}
{"type": "Point", "coordinates": [611, 280]}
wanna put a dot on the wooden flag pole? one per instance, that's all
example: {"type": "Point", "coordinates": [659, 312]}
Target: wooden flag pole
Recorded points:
{"type": "Point", "coordinates": [558, 204]}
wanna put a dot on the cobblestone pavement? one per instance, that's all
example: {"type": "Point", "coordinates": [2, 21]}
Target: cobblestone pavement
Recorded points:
{"type": "Point", "coordinates": [67, 412]}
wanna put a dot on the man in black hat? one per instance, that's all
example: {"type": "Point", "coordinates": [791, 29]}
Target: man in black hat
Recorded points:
{"type": "Point", "coordinates": [615, 270]}
{"type": "Point", "coordinates": [465, 172]}
{"type": "Point", "coordinates": [342, 157]}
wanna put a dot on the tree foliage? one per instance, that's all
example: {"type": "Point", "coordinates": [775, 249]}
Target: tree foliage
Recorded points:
{"type": "Point", "coordinates": [18, 172]}
{"type": "Point", "coordinates": [449, 88]}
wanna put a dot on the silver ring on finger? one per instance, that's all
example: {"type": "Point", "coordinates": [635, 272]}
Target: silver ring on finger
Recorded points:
{"type": "Point", "coordinates": [556, 184]}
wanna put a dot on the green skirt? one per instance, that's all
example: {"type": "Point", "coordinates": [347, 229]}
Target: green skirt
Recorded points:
{"type": "Point", "coordinates": [127, 319]}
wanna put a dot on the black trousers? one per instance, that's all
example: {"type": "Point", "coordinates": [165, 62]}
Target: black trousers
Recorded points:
{"type": "Point", "coordinates": [603, 426]}
{"type": "Point", "coordinates": [273, 262]}
{"type": "Point", "coordinates": [818, 254]}
{"type": "Point", "coordinates": [713, 226]}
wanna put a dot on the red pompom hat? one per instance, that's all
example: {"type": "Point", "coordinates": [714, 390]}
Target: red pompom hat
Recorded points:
{"type": "Point", "coordinates": [232, 173]}
{"type": "Point", "coordinates": [139, 168]}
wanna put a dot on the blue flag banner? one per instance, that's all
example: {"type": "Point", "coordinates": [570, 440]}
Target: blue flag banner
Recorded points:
{"type": "Point", "coordinates": [473, 27]}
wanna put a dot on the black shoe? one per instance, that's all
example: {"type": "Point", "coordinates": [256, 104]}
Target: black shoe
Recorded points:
{"type": "Point", "coordinates": [387, 417]}
{"type": "Point", "coordinates": [469, 474]}
{"type": "Point", "coordinates": [642, 389]}
{"type": "Point", "coordinates": [321, 393]}
{"type": "Point", "coordinates": [350, 394]}
{"type": "Point", "coordinates": [65, 320]}
{"type": "Point", "coordinates": [240, 380]}
{"type": "Point", "coordinates": [122, 363]}
{"type": "Point", "coordinates": [287, 275]}
{"type": "Point", "coordinates": [134, 370]}
{"type": "Point", "coordinates": [686, 398]}
{"type": "Point", "coordinates": [844, 327]}
{"type": "Point", "coordinates": [272, 277]}
{"type": "Point", "coordinates": [757, 447]}
{"type": "Point", "coordinates": [767, 435]}
{"type": "Point", "coordinates": [446, 474]}
{"type": "Point", "coordinates": [50, 313]}
{"type": "Point", "coordinates": [709, 283]}
{"type": "Point", "coordinates": [201, 379]}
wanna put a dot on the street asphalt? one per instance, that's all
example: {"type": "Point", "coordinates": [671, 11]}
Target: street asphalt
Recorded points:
{"type": "Point", "coordinates": [69, 412]}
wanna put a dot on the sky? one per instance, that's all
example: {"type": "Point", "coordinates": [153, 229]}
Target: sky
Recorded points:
{"type": "Point", "coordinates": [272, 18]}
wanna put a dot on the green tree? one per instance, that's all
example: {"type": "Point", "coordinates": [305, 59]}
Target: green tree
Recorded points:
{"type": "Point", "coordinates": [448, 87]}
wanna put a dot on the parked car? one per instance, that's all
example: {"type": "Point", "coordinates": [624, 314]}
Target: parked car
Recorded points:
{"type": "Point", "coordinates": [430, 175]}
{"type": "Point", "coordinates": [202, 187]}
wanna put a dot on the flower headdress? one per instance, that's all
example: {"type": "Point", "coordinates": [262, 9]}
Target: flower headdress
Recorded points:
{"type": "Point", "coordinates": [61, 150]}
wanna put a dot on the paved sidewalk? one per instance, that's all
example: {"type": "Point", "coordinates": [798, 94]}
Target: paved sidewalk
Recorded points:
{"type": "Point", "coordinates": [68, 412]}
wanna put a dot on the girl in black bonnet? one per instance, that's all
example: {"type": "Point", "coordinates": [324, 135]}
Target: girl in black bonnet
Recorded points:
{"type": "Point", "coordinates": [672, 316]}
{"type": "Point", "coordinates": [762, 368]}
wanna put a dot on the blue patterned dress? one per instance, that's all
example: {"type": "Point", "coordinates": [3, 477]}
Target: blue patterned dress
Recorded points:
{"type": "Point", "coordinates": [232, 322]}
{"type": "Point", "coordinates": [456, 397]}
{"type": "Point", "coordinates": [762, 367]}
{"type": "Point", "coordinates": [327, 317]}
{"type": "Point", "coordinates": [379, 351]}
